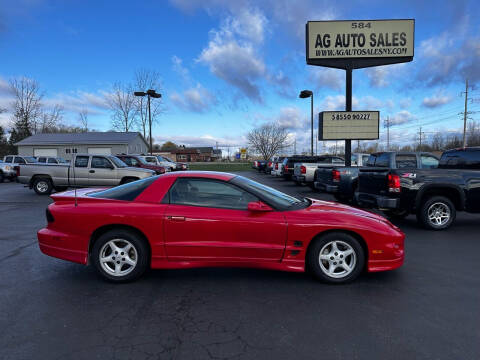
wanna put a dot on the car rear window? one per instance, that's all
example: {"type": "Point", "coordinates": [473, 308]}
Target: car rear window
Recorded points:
{"type": "Point", "coordinates": [126, 192]}
{"type": "Point", "coordinates": [406, 161]}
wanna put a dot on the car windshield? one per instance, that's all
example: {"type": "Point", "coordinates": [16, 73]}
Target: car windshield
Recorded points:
{"type": "Point", "coordinates": [165, 158]}
{"type": "Point", "coordinates": [30, 159]}
{"type": "Point", "coordinates": [271, 196]}
{"type": "Point", "coordinates": [118, 163]}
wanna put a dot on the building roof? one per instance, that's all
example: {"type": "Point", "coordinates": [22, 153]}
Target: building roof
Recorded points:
{"type": "Point", "coordinates": [109, 137]}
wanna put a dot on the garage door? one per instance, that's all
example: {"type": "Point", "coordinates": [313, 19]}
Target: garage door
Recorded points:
{"type": "Point", "coordinates": [45, 152]}
{"type": "Point", "coordinates": [100, 151]}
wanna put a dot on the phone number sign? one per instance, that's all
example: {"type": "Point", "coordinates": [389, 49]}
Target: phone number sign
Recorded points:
{"type": "Point", "coordinates": [348, 125]}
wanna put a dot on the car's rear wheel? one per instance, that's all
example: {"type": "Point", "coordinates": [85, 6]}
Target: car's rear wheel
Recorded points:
{"type": "Point", "coordinates": [436, 213]}
{"type": "Point", "coordinates": [336, 258]}
{"type": "Point", "coordinates": [42, 186]}
{"type": "Point", "coordinates": [120, 256]}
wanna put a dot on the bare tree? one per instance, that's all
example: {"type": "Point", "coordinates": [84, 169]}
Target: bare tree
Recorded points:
{"type": "Point", "coordinates": [438, 142]}
{"type": "Point", "coordinates": [268, 139]}
{"type": "Point", "coordinates": [122, 103]}
{"type": "Point", "coordinates": [27, 106]}
{"type": "Point", "coordinates": [83, 119]}
{"type": "Point", "coordinates": [49, 121]}
{"type": "Point", "coordinates": [146, 79]}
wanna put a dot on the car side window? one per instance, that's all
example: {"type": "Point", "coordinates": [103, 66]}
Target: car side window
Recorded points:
{"type": "Point", "coordinates": [365, 159]}
{"type": "Point", "coordinates": [81, 161]}
{"type": "Point", "coordinates": [406, 161]}
{"type": "Point", "coordinates": [99, 162]}
{"type": "Point", "coordinates": [19, 160]}
{"type": "Point", "coordinates": [52, 161]}
{"type": "Point", "coordinates": [42, 160]}
{"type": "Point", "coordinates": [429, 162]}
{"type": "Point", "coordinates": [8, 159]}
{"type": "Point", "coordinates": [209, 193]}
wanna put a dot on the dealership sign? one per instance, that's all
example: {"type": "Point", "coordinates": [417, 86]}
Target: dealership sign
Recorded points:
{"type": "Point", "coordinates": [359, 43]}
{"type": "Point", "coordinates": [348, 125]}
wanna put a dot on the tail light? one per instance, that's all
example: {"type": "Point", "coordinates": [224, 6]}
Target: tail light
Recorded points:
{"type": "Point", "coordinates": [276, 166]}
{"type": "Point", "coordinates": [286, 168]}
{"type": "Point", "coordinates": [393, 183]}
{"type": "Point", "coordinates": [270, 164]}
{"type": "Point", "coordinates": [336, 175]}
{"type": "Point", "coordinates": [303, 169]}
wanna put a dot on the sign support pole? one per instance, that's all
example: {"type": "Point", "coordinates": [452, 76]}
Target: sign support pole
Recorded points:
{"type": "Point", "coordinates": [348, 107]}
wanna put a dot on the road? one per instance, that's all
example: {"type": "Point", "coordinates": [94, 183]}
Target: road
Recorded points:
{"type": "Point", "coordinates": [52, 309]}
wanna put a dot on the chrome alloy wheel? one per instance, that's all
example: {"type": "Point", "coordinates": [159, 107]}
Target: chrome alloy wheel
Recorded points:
{"type": "Point", "coordinates": [42, 186]}
{"type": "Point", "coordinates": [438, 214]}
{"type": "Point", "coordinates": [337, 259]}
{"type": "Point", "coordinates": [118, 257]}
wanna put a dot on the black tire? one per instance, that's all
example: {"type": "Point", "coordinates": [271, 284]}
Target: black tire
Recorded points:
{"type": "Point", "coordinates": [343, 242]}
{"type": "Point", "coordinates": [428, 206]}
{"type": "Point", "coordinates": [42, 186]}
{"type": "Point", "coordinates": [141, 254]}
{"type": "Point", "coordinates": [311, 185]}
{"type": "Point", "coordinates": [2, 177]}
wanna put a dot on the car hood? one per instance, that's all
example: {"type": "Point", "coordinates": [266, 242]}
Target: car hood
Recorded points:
{"type": "Point", "coordinates": [140, 170]}
{"type": "Point", "coordinates": [330, 206]}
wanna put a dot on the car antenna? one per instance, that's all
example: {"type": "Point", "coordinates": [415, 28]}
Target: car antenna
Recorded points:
{"type": "Point", "coordinates": [74, 179]}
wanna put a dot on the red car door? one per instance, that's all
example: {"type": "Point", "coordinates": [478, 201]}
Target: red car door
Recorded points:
{"type": "Point", "coordinates": [208, 220]}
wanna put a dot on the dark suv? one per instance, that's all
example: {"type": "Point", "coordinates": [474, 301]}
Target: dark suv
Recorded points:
{"type": "Point", "coordinates": [139, 161]}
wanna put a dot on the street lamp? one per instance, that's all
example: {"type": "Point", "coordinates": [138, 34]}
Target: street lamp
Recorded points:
{"type": "Point", "coordinates": [303, 95]}
{"type": "Point", "coordinates": [149, 93]}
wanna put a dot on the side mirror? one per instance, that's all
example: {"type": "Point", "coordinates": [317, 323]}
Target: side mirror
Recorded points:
{"type": "Point", "coordinates": [258, 206]}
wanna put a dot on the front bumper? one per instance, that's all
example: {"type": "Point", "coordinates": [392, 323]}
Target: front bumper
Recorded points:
{"type": "Point", "coordinates": [377, 201]}
{"type": "Point", "coordinates": [9, 174]}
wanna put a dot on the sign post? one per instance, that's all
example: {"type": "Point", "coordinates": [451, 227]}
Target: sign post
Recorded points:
{"type": "Point", "coordinates": [355, 44]}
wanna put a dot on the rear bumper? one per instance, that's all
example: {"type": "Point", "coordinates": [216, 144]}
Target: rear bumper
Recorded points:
{"type": "Point", "coordinates": [326, 187]}
{"type": "Point", "coordinates": [298, 178]}
{"type": "Point", "coordinates": [378, 201]}
{"type": "Point", "coordinates": [62, 246]}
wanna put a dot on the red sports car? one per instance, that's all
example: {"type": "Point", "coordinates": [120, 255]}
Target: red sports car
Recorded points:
{"type": "Point", "coordinates": [193, 219]}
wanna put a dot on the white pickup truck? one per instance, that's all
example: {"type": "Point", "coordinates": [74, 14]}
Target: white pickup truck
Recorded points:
{"type": "Point", "coordinates": [304, 172]}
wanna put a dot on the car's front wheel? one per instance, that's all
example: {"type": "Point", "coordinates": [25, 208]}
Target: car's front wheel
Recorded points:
{"type": "Point", "coordinates": [120, 256]}
{"type": "Point", "coordinates": [336, 258]}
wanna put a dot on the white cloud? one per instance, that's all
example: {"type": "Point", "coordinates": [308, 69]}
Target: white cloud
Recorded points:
{"type": "Point", "coordinates": [336, 102]}
{"type": "Point", "coordinates": [402, 117]}
{"type": "Point", "coordinates": [179, 68]}
{"type": "Point", "coordinates": [327, 78]}
{"type": "Point", "coordinates": [196, 99]}
{"type": "Point", "coordinates": [436, 100]}
{"type": "Point", "coordinates": [291, 117]}
{"type": "Point", "coordinates": [381, 76]}
{"type": "Point", "coordinates": [202, 140]}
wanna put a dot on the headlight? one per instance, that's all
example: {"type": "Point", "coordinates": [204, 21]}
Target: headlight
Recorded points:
{"type": "Point", "coordinates": [8, 168]}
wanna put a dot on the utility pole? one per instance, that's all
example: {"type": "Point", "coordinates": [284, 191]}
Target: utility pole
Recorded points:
{"type": "Point", "coordinates": [294, 146]}
{"type": "Point", "coordinates": [465, 116]}
{"type": "Point", "coordinates": [420, 133]}
{"type": "Point", "coordinates": [316, 142]}
{"type": "Point", "coordinates": [387, 125]}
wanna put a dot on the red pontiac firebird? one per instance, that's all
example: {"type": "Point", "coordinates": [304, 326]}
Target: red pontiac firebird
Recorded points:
{"type": "Point", "coordinates": [194, 219]}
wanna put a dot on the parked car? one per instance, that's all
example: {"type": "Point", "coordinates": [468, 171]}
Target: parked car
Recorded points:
{"type": "Point", "coordinates": [259, 165]}
{"type": "Point", "coordinates": [19, 159]}
{"type": "Point", "coordinates": [154, 160]}
{"type": "Point", "coordinates": [51, 160]}
{"type": "Point", "coordinates": [304, 172]}
{"type": "Point", "coordinates": [179, 166]}
{"type": "Point", "coordinates": [277, 167]}
{"type": "Point", "coordinates": [271, 163]}
{"type": "Point", "coordinates": [139, 162]}
{"type": "Point", "coordinates": [434, 191]}
{"type": "Point", "coordinates": [289, 163]}
{"type": "Point", "coordinates": [169, 221]}
{"type": "Point", "coordinates": [341, 181]}
{"type": "Point", "coordinates": [7, 171]}
{"type": "Point", "coordinates": [85, 170]}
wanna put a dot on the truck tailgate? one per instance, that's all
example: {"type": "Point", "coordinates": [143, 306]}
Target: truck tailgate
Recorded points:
{"type": "Point", "coordinates": [324, 175]}
{"type": "Point", "coordinates": [373, 180]}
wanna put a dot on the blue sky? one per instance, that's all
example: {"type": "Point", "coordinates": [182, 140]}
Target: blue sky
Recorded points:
{"type": "Point", "coordinates": [227, 66]}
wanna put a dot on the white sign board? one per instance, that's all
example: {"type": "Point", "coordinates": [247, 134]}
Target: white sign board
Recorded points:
{"type": "Point", "coordinates": [360, 39]}
{"type": "Point", "coordinates": [348, 125]}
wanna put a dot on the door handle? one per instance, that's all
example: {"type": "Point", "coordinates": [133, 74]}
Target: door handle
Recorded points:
{"type": "Point", "coordinates": [176, 218]}
{"type": "Point", "coordinates": [91, 171]}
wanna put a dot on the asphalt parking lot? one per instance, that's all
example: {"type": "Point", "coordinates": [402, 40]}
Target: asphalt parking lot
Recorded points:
{"type": "Point", "coordinates": [52, 309]}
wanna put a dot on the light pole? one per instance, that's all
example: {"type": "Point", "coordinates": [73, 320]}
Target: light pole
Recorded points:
{"type": "Point", "coordinates": [149, 93]}
{"type": "Point", "coordinates": [303, 95]}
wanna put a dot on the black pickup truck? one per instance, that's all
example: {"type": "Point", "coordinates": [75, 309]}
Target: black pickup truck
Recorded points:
{"type": "Point", "coordinates": [433, 193]}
